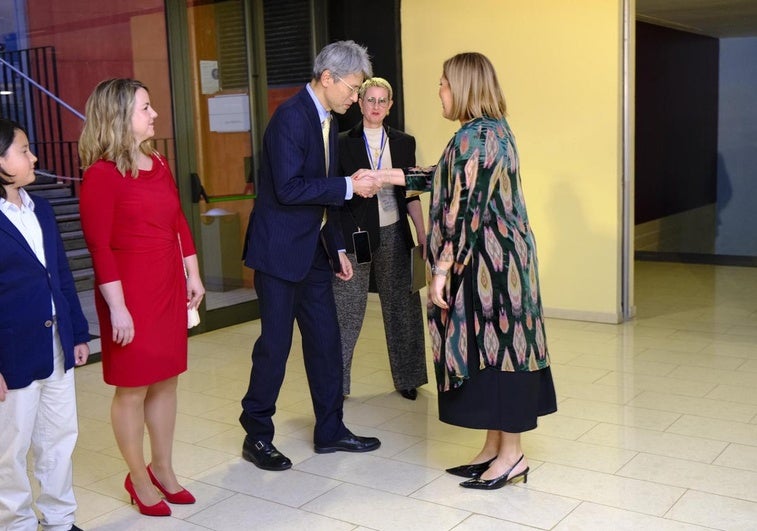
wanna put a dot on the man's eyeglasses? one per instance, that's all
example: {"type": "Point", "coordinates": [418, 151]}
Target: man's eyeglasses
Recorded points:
{"type": "Point", "coordinates": [353, 90]}
{"type": "Point", "coordinates": [381, 102]}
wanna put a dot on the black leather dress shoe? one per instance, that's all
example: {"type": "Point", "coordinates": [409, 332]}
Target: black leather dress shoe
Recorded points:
{"type": "Point", "coordinates": [264, 455]}
{"type": "Point", "coordinates": [410, 394]}
{"type": "Point", "coordinates": [470, 471]}
{"type": "Point", "coordinates": [74, 527]}
{"type": "Point", "coordinates": [349, 443]}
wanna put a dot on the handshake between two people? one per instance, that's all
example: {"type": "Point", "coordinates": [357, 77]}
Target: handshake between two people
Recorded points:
{"type": "Point", "coordinates": [367, 183]}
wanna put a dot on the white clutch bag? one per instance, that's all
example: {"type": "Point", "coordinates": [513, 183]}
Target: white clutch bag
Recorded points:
{"type": "Point", "coordinates": [193, 317]}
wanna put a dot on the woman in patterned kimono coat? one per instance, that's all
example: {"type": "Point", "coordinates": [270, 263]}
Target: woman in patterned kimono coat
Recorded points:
{"type": "Point", "coordinates": [484, 310]}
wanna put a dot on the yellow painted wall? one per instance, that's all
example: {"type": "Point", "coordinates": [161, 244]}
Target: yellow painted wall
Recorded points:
{"type": "Point", "coordinates": [560, 65]}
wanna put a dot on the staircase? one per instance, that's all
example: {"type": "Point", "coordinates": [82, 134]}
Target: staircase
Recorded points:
{"type": "Point", "coordinates": [32, 76]}
{"type": "Point", "coordinates": [66, 208]}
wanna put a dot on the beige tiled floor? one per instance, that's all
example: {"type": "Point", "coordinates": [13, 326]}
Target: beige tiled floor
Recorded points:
{"type": "Point", "coordinates": [656, 429]}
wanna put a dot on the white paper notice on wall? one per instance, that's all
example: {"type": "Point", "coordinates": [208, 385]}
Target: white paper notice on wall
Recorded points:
{"type": "Point", "coordinates": [209, 77]}
{"type": "Point", "coordinates": [229, 113]}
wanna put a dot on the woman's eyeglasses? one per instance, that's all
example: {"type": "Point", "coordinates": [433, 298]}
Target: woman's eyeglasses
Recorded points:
{"type": "Point", "coordinates": [381, 102]}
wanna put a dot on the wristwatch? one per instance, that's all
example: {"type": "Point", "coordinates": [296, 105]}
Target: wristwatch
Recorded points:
{"type": "Point", "coordinates": [435, 270]}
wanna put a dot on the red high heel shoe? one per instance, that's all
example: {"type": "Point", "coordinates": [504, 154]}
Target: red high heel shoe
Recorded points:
{"type": "Point", "coordinates": [181, 497]}
{"type": "Point", "coordinates": [159, 509]}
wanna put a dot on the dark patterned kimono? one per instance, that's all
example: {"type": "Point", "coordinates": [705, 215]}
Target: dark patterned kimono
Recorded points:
{"type": "Point", "coordinates": [478, 220]}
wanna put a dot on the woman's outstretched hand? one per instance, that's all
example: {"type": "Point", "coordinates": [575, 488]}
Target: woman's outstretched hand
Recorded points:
{"type": "Point", "coordinates": [366, 186]}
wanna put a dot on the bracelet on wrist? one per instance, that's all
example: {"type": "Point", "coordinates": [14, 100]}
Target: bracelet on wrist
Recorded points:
{"type": "Point", "coordinates": [438, 271]}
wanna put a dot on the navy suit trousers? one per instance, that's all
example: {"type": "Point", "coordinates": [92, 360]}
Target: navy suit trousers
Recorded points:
{"type": "Point", "coordinates": [311, 303]}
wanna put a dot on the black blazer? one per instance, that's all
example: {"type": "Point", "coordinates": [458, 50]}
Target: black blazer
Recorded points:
{"type": "Point", "coordinates": [364, 212]}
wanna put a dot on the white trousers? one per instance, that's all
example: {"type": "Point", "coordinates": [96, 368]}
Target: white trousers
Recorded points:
{"type": "Point", "coordinates": [42, 417]}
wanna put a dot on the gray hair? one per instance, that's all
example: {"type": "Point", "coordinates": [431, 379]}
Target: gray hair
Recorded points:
{"type": "Point", "coordinates": [343, 58]}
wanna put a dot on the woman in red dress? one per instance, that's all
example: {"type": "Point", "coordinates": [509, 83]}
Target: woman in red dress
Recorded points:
{"type": "Point", "coordinates": [140, 244]}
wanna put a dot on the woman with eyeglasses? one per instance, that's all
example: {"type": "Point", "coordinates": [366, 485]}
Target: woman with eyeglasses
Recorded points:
{"type": "Point", "coordinates": [378, 239]}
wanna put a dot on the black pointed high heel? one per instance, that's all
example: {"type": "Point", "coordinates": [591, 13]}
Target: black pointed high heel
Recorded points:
{"type": "Point", "coordinates": [470, 471]}
{"type": "Point", "coordinates": [498, 482]}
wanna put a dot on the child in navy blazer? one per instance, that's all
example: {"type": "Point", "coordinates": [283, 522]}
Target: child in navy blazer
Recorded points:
{"type": "Point", "coordinates": [43, 334]}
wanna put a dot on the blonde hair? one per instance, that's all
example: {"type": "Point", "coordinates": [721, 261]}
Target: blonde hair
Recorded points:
{"type": "Point", "coordinates": [107, 130]}
{"type": "Point", "coordinates": [474, 86]}
{"type": "Point", "coordinates": [379, 82]}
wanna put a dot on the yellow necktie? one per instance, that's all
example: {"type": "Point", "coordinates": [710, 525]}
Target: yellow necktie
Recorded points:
{"type": "Point", "coordinates": [325, 128]}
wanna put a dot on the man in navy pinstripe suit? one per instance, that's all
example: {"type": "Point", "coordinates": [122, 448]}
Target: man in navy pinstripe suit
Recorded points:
{"type": "Point", "coordinates": [294, 255]}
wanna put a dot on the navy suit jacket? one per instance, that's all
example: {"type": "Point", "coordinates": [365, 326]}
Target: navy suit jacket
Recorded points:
{"type": "Point", "coordinates": [285, 226]}
{"type": "Point", "coordinates": [26, 288]}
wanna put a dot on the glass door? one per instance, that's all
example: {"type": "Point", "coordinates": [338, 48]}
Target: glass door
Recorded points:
{"type": "Point", "coordinates": [215, 90]}
{"type": "Point", "coordinates": [232, 63]}
{"type": "Point", "coordinates": [222, 184]}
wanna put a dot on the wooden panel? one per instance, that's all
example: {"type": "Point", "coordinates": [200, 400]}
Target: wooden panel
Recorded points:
{"type": "Point", "coordinates": [220, 156]}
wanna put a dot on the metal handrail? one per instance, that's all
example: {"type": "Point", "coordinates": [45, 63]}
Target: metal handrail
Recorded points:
{"type": "Point", "coordinates": [67, 153]}
{"type": "Point", "coordinates": [43, 89]}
